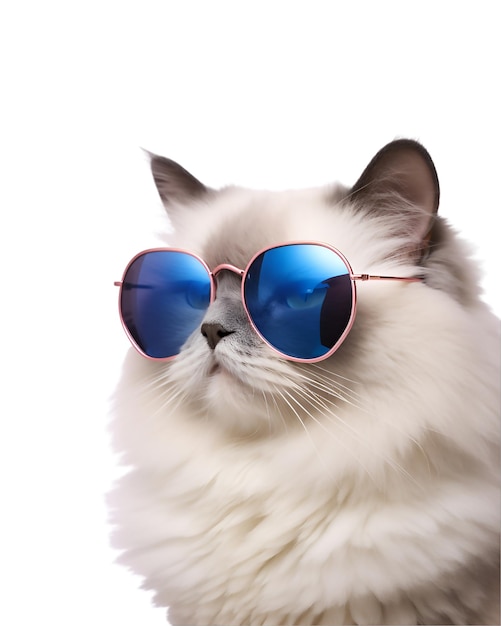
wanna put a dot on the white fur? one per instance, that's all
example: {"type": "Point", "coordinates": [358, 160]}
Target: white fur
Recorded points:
{"type": "Point", "coordinates": [250, 504]}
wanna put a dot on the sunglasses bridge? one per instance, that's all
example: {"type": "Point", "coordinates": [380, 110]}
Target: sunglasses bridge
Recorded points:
{"type": "Point", "coordinates": [228, 268]}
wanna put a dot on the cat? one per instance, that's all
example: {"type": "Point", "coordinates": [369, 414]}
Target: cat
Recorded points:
{"type": "Point", "coordinates": [360, 489]}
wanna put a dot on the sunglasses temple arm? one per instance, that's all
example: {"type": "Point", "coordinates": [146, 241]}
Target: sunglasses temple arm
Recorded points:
{"type": "Point", "coordinates": [363, 277]}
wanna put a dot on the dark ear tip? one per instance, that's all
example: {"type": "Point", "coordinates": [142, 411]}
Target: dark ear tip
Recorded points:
{"type": "Point", "coordinates": [160, 163]}
{"type": "Point", "coordinates": [149, 156]}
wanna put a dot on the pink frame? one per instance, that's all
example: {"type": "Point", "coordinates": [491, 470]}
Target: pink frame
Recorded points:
{"type": "Point", "coordinates": [242, 273]}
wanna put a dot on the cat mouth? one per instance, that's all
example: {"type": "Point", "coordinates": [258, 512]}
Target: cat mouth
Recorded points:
{"type": "Point", "coordinates": [214, 369]}
{"type": "Point", "coordinates": [218, 368]}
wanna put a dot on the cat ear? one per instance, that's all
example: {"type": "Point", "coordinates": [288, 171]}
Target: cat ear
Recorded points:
{"type": "Point", "coordinates": [174, 184]}
{"type": "Point", "coordinates": [403, 170]}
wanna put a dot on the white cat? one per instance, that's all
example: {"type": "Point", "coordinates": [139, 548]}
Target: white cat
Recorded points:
{"type": "Point", "coordinates": [358, 489]}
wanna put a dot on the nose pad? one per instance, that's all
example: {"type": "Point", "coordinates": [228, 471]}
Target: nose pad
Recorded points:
{"type": "Point", "coordinates": [214, 333]}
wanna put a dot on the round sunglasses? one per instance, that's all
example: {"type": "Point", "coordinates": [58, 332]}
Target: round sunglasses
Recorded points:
{"type": "Point", "coordinates": [300, 298]}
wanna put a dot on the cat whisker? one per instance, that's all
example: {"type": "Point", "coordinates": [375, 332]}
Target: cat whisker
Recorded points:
{"type": "Point", "coordinates": [170, 395]}
{"type": "Point", "coordinates": [343, 395]}
{"type": "Point", "coordinates": [328, 432]}
{"type": "Point", "coordinates": [285, 395]}
{"type": "Point", "coordinates": [172, 402]}
{"type": "Point", "coordinates": [279, 412]}
{"type": "Point", "coordinates": [346, 398]}
{"type": "Point", "coordinates": [322, 405]}
{"type": "Point", "coordinates": [332, 374]}
{"type": "Point", "coordinates": [156, 382]}
{"type": "Point", "coordinates": [332, 381]}
{"type": "Point", "coordinates": [319, 383]}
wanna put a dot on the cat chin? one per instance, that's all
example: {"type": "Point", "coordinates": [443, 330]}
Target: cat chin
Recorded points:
{"type": "Point", "coordinates": [233, 406]}
{"type": "Point", "coordinates": [210, 389]}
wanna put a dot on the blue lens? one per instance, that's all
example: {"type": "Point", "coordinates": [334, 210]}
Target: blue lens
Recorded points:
{"type": "Point", "coordinates": [300, 298]}
{"type": "Point", "coordinates": [165, 294]}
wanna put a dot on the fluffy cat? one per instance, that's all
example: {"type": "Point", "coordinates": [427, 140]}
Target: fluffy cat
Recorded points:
{"type": "Point", "coordinates": [363, 489]}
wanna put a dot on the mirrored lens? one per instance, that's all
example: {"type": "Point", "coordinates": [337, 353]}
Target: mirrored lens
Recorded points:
{"type": "Point", "coordinates": [165, 294]}
{"type": "Point", "coordinates": [300, 299]}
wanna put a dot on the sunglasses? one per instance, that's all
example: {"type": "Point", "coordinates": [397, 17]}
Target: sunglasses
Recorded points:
{"type": "Point", "coordinates": [300, 298]}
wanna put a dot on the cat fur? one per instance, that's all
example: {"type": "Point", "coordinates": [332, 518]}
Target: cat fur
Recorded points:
{"type": "Point", "coordinates": [363, 489]}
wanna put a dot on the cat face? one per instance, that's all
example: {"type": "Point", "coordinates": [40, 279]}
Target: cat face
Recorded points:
{"type": "Point", "coordinates": [225, 372]}
{"type": "Point", "coordinates": [235, 377]}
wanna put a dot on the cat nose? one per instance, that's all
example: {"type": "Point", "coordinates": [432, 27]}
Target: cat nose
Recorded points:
{"type": "Point", "coordinates": [214, 333]}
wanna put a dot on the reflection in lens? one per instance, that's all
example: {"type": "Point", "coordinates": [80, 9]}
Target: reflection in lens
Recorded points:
{"type": "Point", "coordinates": [300, 298]}
{"type": "Point", "coordinates": [304, 296]}
{"type": "Point", "coordinates": [165, 294]}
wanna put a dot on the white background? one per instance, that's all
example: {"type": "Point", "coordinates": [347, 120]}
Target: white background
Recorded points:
{"type": "Point", "coordinates": [267, 94]}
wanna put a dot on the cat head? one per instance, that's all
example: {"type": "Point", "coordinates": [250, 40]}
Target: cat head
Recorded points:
{"type": "Point", "coordinates": [386, 224]}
